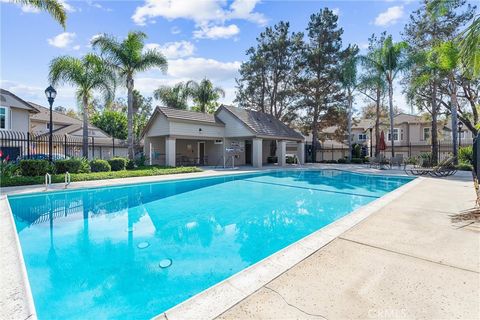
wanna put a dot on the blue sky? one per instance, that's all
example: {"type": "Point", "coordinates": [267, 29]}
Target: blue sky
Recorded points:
{"type": "Point", "coordinates": [200, 38]}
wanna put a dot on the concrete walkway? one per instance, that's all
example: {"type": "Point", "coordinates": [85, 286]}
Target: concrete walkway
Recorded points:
{"type": "Point", "coordinates": [406, 261]}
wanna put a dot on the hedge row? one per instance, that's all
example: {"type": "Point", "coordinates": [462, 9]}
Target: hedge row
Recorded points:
{"type": "Point", "coordinates": [32, 168]}
{"type": "Point", "coordinates": [59, 178]}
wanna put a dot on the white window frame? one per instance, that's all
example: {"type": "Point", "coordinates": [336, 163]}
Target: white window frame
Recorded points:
{"type": "Point", "coordinates": [399, 133]}
{"type": "Point", "coordinates": [429, 133]}
{"type": "Point", "coordinates": [7, 118]}
{"type": "Point", "coordinates": [362, 137]}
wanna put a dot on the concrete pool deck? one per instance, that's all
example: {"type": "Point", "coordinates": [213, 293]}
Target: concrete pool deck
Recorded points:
{"type": "Point", "coordinates": [401, 261]}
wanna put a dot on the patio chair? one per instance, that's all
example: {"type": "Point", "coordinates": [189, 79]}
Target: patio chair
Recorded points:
{"type": "Point", "coordinates": [396, 161]}
{"type": "Point", "coordinates": [378, 162]}
{"type": "Point", "coordinates": [443, 169]}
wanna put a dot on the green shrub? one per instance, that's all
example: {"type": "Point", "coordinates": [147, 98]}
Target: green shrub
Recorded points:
{"type": "Point", "coordinates": [465, 155]}
{"type": "Point", "coordinates": [464, 167]}
{"type": "Point", "coordinates": [8, 169]}
{"type": "Point", "coordinates": [357, 151]}
{"type": "Point", "coordinates": [118, 163]}
{"type": "Point", "coordinates": [425, 159]}
{"type": "Point", "coordinates": [98, 165]}
{"type": "Point", "coordinates": [130, 165]}
{"type": "Point", "coordinates": [74, 165]}
{"type": "Point", "coordinates": [290, 160]}
{"type": "Point", "coordinates": [342, 160]}
{"type": "Point", "coordinates": [32, 168]}
{"type": "Point", "coordinates": [333, 161]}
{"type": "Point", "coordinates": [357, 160]}
{"type": "Point", "coordinates": [140, 161]}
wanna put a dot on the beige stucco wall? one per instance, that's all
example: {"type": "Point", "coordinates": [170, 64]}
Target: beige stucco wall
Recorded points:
{"type": "Point", "coordinates": [233, 127]}
{"type": "Point", "coordinates": [19, 120]}
{"type": "Point", "coordinates": [198, 129]}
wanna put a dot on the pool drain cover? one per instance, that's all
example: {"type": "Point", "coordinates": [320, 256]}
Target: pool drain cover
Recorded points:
{"type": "Point", "coordinates": [143, 245]}
{"type": "Point", "coordinates": [165, 263]}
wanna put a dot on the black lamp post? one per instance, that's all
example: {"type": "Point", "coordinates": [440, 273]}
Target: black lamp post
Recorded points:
{"type": "Point", "coordinates": [460, 127]}
{"type": "Point", "coordinates": [50, 93]}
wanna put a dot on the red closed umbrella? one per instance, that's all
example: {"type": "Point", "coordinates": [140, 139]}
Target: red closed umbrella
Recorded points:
{"type": "Point", "coordinates": [381, 144]}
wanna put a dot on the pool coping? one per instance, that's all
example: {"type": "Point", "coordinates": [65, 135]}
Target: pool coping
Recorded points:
{"type": "Point", "coordinates": [237, 287]}
{"type": "Point", "coordinates": [215, 300]}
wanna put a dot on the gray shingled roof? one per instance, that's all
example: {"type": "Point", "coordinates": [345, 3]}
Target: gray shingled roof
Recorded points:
{"type": "Point", "coordinates": [264, 124]}
{"type": "Point", "coordinates": [189, 115]}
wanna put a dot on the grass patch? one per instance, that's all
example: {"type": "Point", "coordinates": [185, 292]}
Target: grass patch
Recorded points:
{"type": "Point", "coordinates": [58, 178]}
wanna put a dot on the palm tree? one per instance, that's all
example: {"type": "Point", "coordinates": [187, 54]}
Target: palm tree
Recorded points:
{"type": "Point", "coordinates": [390, 60]}
{"type": "Point", "coordinates": [127, 58]}
{"type": "Point", "coordinates": [87, 74]}
{"type": "Point", "coordinates": [173, 97]}
{"type": "Point", "coordinates": [204, 94]}
{"type": "Point", "coordinates": [372, 83]}
{"type": "Point", "coordinates": [348, 79]}
{"type": "Point", "coordinates": [470, 48]}
{"type": "Point", "coordinates": [53, 7]}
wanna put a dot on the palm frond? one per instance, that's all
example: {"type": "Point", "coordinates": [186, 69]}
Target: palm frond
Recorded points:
{"type": "Point", "coordinates": [53, 7]}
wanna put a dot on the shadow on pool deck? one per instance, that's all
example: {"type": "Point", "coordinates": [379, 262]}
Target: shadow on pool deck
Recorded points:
{"type": "Point", "coordinates": [407, 260]}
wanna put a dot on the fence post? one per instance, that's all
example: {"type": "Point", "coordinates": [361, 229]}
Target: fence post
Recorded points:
{"type": "Point", "coordinates": [65, 145]}
{"type": "Point", "coordinates": [113, 146]}
{"type": "Point", "coordinates": [332, 151]}
{"type": "Point", "coordinates": [93, 148]}
{"type": "Point", "coordinates": [28, 145]}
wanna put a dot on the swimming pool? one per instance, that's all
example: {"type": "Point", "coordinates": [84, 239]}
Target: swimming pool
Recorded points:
{"type": "Point", "coordinates": [136, 250]}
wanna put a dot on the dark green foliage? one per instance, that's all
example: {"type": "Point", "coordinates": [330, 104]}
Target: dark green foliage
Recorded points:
{"type": "Point", "coordinates": [342, 160]}
{"type": "Point", "coordinates": [357, 160]}
{"type": "Point", "coordinates": [140, 161]}
{"type": "Point", "coordinates": [112, 122]}
{"type": "Point", "coordinates": [118, 163]}
{"type": "Point", "coordinates": [100, 166]}
{"type": "Point", "coordinates": [74, 165]}
{"type": "Point", "coordinates": [130, 165]}
{"type": "Point", "coordinates": [290, 160]}
{"type": "Point", "coordinates": [32, 168]}
{"type": "Point", "coordinates": [140, 172]}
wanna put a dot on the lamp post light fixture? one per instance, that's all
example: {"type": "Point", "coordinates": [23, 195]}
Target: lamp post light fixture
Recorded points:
{"type": "Point", "coordinates": [50, 93]}
{"type": "Point", "coordinates": [460, 127]}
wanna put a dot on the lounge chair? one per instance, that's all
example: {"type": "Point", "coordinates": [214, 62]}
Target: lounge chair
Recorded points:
{"type": "Point", "coordinates": [396, 161]}
{"type": "Point", "coordinates": [378, 162]}
{"type": "Point", "coordinates": [443, 169]}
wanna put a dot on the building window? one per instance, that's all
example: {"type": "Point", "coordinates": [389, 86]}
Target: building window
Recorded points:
{"type": "Point", "coordinates": [426, 134]}
{"type": "Point", "coordinates": [48, 125]}
{"type": "Point", "coordinates": [396, 135]}
{"type": "Point", "coordinates": [218, 141]}
{"type": "Point", "coordinates": [362, 136]}
{"type": "Point", "coordinates": [4, 120]}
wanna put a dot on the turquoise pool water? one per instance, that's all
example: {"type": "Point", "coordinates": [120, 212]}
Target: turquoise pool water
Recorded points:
{"type": "Point", "coordinates": [96, 253]}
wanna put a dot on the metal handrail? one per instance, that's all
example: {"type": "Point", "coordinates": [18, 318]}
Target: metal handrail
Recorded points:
{"type": "Point", "coordinates": [68, 179]}
{"type": "Point", "coordinates": [48, 180]}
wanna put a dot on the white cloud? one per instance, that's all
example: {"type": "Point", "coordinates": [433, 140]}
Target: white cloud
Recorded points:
{"type": "Point", "coordinates": [174, 50]}
{"type": "Point", "coordinates": [199, 68]}
{"type": "Point", "coordinates": [390, 16]}
{"type": "Point", "coordinates": [216, 32]}
{"type": "Point", "coordinates": [63, 40]}
{"type": "Point", "coordinates": [336, 11]}
{"type": "Point", "coordinates": [68, 7]}
{"type": "Point", "coordinates": [77, 47]}
{"type": "Point", "coordinates": [207, 15]}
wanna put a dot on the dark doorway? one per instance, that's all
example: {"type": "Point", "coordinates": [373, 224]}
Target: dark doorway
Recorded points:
{"type": "Point", "coordinates": [201, 153]}
{"type": "Point", "coordinates": [248, 152]}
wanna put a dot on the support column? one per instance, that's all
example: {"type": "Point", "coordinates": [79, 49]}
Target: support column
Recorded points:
{"type": "Point", "coordinates": [301, 152]}
{"type": "Point", "coordinates": [281, 152]}
{"type": "Point", "coordinates": [170, 150]}
{"type": "Point", "coordinates": [147, 149]}
{"type": "Point", "coordinates": [257, 152]}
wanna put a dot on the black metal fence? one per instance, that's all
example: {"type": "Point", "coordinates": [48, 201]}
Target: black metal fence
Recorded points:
{"type": "Point", "coordinates": [327, 152]}
{"type": "Point", "coordinates": [25, 145]}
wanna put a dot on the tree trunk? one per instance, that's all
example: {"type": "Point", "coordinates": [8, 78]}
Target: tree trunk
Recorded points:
{"type": "Point", "coordinates": [454, 106]}
{"type": "Point", "coordinates": [377, 123]}
{"type": "Point", "coordinates": [130, 86]}
{"type": "Point", "coordinates": [434, 124]}
{"type": "Point", "coordinates": [85, 127]}
{"type": "Point", "coordinates": [314, 135]}
{"type": "Point", "coordinates": [350, 106]}
{"type": "Point", "coordinates": [390, 103]}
